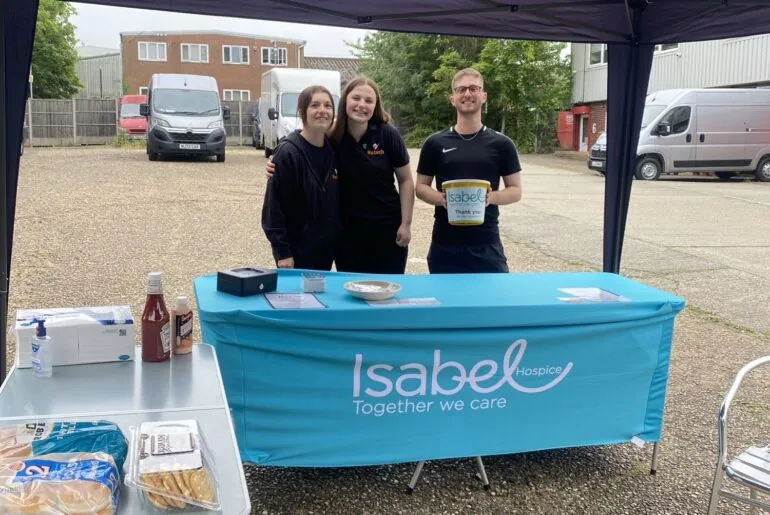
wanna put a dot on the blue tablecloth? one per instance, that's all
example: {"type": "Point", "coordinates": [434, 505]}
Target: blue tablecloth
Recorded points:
{"type": "Point", "coordinates": [499, 365]}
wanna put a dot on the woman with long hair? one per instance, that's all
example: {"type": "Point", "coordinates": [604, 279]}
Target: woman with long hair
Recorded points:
{"type": "Point", "coordinates": [371, 157]}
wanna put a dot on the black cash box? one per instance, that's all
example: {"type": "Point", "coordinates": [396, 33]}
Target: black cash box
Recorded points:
{"type": "Point", "coordinates": [247, 281]}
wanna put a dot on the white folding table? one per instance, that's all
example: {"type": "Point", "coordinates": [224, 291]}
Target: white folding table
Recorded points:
{"type": "Point", "coordinates": [132, 392]}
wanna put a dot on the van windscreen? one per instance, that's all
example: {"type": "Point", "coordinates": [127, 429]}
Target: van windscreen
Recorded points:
{"type": "Point", "coordinates": [130, 111]}
{"type": "Point", "coordinates": [650, 113]}
{"type": "Point", "coordinates": [289, 104]}
{"type": "Point", "coordinates": [185, 101]}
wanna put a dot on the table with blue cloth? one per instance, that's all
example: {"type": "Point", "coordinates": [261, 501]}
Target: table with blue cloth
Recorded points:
{"type": "Point", "coordinates": [474, 365]}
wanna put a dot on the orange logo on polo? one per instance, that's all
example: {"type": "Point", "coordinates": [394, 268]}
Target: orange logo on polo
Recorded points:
{"type": "Point", "coordinates": [376, 150]}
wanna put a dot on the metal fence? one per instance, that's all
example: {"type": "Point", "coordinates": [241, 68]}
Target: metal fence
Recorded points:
{"type": "Point", "coordinates": [240, 126]}
{"type": "Point", "coordinates": [79, 121]}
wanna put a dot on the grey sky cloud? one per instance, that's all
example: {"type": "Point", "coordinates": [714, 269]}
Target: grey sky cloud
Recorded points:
{"type": "Point", "coordinates": [101, 26]}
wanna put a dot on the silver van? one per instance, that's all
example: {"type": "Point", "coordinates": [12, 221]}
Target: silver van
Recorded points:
{"type": "Point", "coordinates": [184, 116]}
{"type": "Point", "coordinates": [725, 131]}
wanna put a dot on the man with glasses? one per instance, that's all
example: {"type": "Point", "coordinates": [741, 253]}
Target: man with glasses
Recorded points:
{"type": "Point", "coordinates": [469, 150]}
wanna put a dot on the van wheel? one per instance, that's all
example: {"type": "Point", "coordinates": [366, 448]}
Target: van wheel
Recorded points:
{"type": "Point", "coordinates": [153, 156]}
{"type": "Point", "coordinates": [221, 158]}
{"type": "Point", "coordinates": [648, 169]}
{"type": "Point", "coordinates": [763, 169]}
{"type": "Point", "coordinates": [723, 176]}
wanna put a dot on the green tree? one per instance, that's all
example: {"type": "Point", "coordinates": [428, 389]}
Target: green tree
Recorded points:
{"type": "Point", "coordinates": [527, 82]}
{"type": "Point", "coordinates": [54, 56]}
{"type": "Point", "coordinates": [411, 70]}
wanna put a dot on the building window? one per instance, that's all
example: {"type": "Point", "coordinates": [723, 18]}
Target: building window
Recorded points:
{"type": "Point", "coordinates": [152, 51]}
{"type": "Point", "coordinates": [143, 90]}
{"type": "Point", "coordinates": [666, 47]}
{"type": "Point", "coordinates": [235, 54]}
{"type": "Point", "coordinates": [598, 54]}
{"type": "Point", "coordinates": [195, 53]}
{"type": "Point", "coordinates": [275, 56]}
{"type": "Point", "coordinates": [237, 94]}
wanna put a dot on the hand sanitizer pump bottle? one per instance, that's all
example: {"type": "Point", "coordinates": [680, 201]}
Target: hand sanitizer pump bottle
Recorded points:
{"type": "Point", "coordinates": [42, 353]}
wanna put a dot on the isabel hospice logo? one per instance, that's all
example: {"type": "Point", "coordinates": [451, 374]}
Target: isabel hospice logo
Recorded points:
{"type": "Point", "coordinates": [465, 197]}
{"type": "Point", "coordinates": [487, 377]}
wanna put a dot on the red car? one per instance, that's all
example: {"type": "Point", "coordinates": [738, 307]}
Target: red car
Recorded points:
{"type": "Point", "coordinates": [131, 123]}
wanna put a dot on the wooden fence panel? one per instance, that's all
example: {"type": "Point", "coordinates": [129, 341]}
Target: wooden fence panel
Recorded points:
{"type": "Point", "coordinates": [96, 118]}
{"type": "Point", "coordinates": [52, 121]}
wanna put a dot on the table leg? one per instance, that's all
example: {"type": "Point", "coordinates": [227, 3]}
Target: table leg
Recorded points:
{"type": "Point", "coordinates": [415, 477]}
{"type": "Point", "coordinates": [483, 472]}
{"type": "Point", "coordinates": [654, 466]}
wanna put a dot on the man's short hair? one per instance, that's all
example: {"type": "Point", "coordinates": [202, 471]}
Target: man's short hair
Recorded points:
{"type": "Point", "coordinates": [467, 71]}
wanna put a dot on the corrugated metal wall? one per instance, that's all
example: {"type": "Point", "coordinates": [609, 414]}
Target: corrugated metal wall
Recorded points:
{"type": "Point", "coordinates": [708, 64]}
{"type": "Point", "coordinates": [101, 76]}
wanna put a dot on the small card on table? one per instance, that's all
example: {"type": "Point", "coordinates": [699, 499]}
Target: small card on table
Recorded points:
{"type": "Point", "coordinates": [294, 301]}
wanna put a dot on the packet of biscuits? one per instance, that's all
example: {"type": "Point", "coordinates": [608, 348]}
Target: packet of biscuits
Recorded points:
{"type": "Point", "coordinates": [171, 466]}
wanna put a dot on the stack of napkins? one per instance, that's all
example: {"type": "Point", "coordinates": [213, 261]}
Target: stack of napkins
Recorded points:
{"type": "Point", "coordinates": [78, 335]}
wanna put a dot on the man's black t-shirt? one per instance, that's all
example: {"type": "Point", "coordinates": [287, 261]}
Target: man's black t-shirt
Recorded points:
{"type": "Point", "coordinates": [487, 155]}
{"type": "Point", "coordinates": [367, 181]}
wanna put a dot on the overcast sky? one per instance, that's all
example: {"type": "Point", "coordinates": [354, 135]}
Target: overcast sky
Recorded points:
{"type": "Point", "coordinates": [99, 25]}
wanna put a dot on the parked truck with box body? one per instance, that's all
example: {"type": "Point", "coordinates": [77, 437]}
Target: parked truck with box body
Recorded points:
{"type": "Point", "coordinates": [280, 92]}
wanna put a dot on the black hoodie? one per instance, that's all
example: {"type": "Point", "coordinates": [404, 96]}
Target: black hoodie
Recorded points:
{"type": "Point", "coordinates": [301, 211]}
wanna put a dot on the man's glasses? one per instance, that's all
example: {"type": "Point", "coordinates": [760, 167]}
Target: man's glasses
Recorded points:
{"type": "Point", "coordinates": [462, 89]}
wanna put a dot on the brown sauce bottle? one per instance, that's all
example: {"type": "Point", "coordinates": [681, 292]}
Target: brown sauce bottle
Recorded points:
{"type": "Point", "coordinates": [156, 324]}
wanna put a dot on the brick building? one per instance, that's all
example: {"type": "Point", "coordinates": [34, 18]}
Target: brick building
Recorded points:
{"type": "Point", "coordinates": [236, 61]}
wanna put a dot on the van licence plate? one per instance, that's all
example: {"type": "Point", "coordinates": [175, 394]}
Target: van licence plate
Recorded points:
{"type": "Point", "coordinates": [596, 163]}
{"type": "Point", "coordinates": [189, 146]}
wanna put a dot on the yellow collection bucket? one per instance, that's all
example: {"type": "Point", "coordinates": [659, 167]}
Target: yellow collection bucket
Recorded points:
{"type": "Point", "coordinates": [466, 201]}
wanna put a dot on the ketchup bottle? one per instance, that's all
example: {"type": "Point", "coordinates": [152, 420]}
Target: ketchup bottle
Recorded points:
{"type": "Point", "coordinates": [156, 325]}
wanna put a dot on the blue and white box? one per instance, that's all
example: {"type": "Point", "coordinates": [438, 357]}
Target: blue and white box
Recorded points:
{"type": "Point", "coordinates": [79, 335]}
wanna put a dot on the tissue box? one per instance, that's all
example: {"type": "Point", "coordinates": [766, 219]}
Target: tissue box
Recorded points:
{"type": "Point", "coordinates": [247, 281]}
{"type": "Point", "coordinates": [79, 335]}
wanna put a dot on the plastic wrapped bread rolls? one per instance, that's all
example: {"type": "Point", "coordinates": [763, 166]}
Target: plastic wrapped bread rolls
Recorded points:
{"type": "Point", "coordinates": [71, 483]}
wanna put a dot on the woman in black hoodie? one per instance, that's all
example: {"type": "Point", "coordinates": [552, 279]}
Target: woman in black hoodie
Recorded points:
{"type": "Point", "coordinates": [301, 212]}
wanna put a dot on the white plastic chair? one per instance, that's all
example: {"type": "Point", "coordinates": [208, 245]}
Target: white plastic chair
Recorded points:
{"type": "Point", "coordinates": [751, 468]}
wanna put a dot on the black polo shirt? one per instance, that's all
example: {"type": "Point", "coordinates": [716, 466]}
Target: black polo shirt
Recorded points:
{"type": "Point", "coordinates": [487, 155]}
{"type": "Point", "coordinates": [367, 176]}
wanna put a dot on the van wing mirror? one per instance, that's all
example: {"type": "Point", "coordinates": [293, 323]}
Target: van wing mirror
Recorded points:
{"type": "Point", "coordinates": [664, 129]}
{"type": "Point", "coordinates": [272, 113]}
{"type": "Point", "coordinates": [144, 109]}
{"type": "Point", "coordinates": [225, 113]}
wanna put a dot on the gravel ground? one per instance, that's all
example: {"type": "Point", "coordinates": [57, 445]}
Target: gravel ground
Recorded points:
{"type": "Point", "coordinates": [92, 222]}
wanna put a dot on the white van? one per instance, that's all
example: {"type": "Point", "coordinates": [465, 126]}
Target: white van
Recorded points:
{"type": "Point", "coordinates": [280, 91]}
{"type": "Point", "coordinates": [725, 131]}
{"type": "Point", "coordinates": [184, 116]}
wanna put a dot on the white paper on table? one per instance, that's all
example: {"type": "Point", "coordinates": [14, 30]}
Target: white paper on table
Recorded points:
{"type": "Point", "coordinates": [415, 301]}
{"type": "Point", "coordinates": [293, 301]}
{"type": "Point", "coordinates": [594, 295]}
{"type": "Point", "coordinates": [572, 300]}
